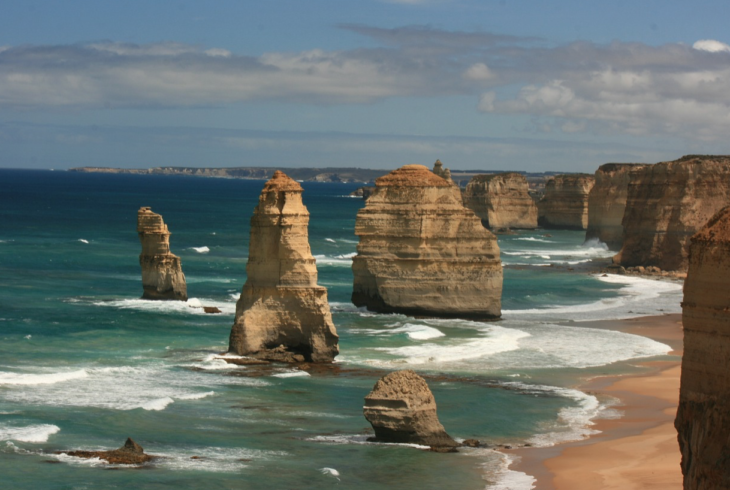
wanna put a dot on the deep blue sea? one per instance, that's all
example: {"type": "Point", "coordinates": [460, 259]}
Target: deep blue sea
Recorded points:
{"type": "Point", "coordinates": [85, 363]}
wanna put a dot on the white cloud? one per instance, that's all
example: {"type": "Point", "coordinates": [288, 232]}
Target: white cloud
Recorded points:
{"type": "Point", "coordinates": [478, 72]}
{"type": "Point", "coordinates": [711, 45]}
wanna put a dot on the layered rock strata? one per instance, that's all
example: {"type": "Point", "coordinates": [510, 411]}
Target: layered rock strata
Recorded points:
{"type": "Point", "coordinates": [502, 201]}
{"type": "Point", "coordinates": [607, 203]}
{"type": "Point", "coordinates": [282, 313]}
{"type": "Point", "coordinates": [667, 203]}
{"type": "Point", "coordinates": [162, 276]}
{"type": "Point", "coordinates": [130, 453]}
{"type": "Point", "coordinates": [402, 409]}
{"type": "Point", "coordinates": [565, 202]}
{"type": "Point", "coordinates": [703, 416]}
{"type": "Point", "coordinates": [422, 252]}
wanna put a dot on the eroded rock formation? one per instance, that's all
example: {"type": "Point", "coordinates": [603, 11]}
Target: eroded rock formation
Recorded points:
{"type": "Point", "coordinates": [422, 252]}
{"type": "Point", "coordinates": [282, 313]}
{"type": "Point", "coordinates": [667, 203]}
{"type": "Point", "coordinates": [607, 202]}
{"type": "Point", "coordinates": [162, 276]}
{"type": "Point", "coordinates": [565, 203]}
{"type": "Point", "coordinates": [130, 453]}
{"type": "Point", "coordinates": [703, 416]}
{"type": "Point", "coordinates": [443, 172]}
{"type": "Point", "coordinates": [402, 409]}
{"type": "Point", "coordinates": [502, 201]}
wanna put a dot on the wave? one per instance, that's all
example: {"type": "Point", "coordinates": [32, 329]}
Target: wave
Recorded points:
{"type": "Point", "coordinates": [7, 378]}
{"type": "Point", "coordinates": [329, 240]}
{"type": "Point", "coordinates": [201, 250]}
{"type": "Point", "coordinates": [212, 459]}
{"type": "Point", "coordinates": [292, 374]}
{"type": "Point", "coordinates": [192, 306]}
{"type": "Point", "coordinates": [533, 239]}
{"type": "Point", "coordinates": [83, 241]}
{"type": "Point", "coordinates": [360, 439]}
{"type": "Point", "coordinates": [30, 433]}
{"type": "Point", "coordinates": [418, 332]}
{"type": "Point", "coordinates": [337, 261]}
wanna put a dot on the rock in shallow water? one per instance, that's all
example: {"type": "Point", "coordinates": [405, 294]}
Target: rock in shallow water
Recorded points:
{"type": "Point", "coordinates": [130, 453]}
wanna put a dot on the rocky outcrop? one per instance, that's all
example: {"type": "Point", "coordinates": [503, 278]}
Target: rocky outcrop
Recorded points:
{"type": "Point", "coordinates": [703, 416]}
{"type": "Point", "coordinates": [667, 203]}
{"type": "Point", "coordinates": [502, 201]}
{"type": "Point", "coordinates": [130, 453]}
{"type": "Point", "coordinates": [364, 191]}
{"type": "Point", "coordinates": [402, 409]}
{"type": "Point", "coordinates": [282, 313]}
{"type": "Point", "coordinates": [565, 202]}
{"type": "Point", "coordinates": [607, 202]}
{"type": "Point", "coordinates": [422, 252]}
{"type": "Point", "coordinates": [443, 172]}
{"type": "Point", "coordinates": [162, 276]}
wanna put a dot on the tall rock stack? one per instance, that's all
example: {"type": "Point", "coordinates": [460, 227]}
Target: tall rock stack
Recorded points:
{"type": "Point", "coordinates": [282, 313]}
{"type": "Point", "coordinates": [703, 416]}
{"type": "Point", "coordinates": [668, 203]}
{"type": "Point", "coordinates": [162, 276]}
{"type": "Point", "coordinates": [421, 252]}
{"type": "Point", "coordinates": [565, 203]}
{"type": "Point", "coordinates": [607, 203]}
{"type": "Point", "coordinates": [502, 201]}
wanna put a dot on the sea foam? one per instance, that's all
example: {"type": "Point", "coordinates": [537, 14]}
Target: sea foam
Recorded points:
{"type": "Point", "coordinates": [31, 433]}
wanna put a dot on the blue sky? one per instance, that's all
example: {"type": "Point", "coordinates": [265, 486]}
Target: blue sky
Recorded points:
{"type": "Point", "coordinates": [505, 84]}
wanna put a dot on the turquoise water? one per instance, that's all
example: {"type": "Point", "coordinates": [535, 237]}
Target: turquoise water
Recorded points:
{"type": "Point", "coordinates": [84, 363]}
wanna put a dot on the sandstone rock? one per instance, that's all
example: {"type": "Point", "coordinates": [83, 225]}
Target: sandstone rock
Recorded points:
{"type": "Point", "coordinates": [422, 252]}
{"type": "Point", "coordinates": [281, 303]}
{"type": "Point", "coordinates": [211, 309]}
{"type": "Point", "coordinates": [501, 201]}
{"type": "Point", "coordinates": [703, 416]}
{"type": "Point", "coordinates": [565, 203]}
{"type": "Point", "coordinates": [130, 453]}
{"type": "Point", "coordinates": [607, 202]}
{"type": "Point", "coordinates": [162, 276]}
{"type": "Point", "coordinates": [401, 409]}
{"type": "Point", "coordinates": [667, 203]}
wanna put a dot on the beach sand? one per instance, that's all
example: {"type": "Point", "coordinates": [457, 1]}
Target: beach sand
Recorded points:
{"type": "Point", "coordinates": [638, 450]}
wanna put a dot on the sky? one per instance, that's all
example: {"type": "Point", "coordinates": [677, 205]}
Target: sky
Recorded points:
{"type": "Point", "coordinates": [480, 84]}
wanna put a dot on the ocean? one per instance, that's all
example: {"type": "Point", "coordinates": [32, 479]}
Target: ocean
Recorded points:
{"type": "Point", "coordinates": [85, 363]}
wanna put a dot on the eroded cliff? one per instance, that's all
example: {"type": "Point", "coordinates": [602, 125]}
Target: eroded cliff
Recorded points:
{"type": "Point", "coordinates": [502, 201]}
{"type": "Point", "coordinates": [667, 203]}
{"type": "Point", "coordinates": [703, 416]}
{"type": "Point", "coordinates": [162, 276]}
{"type": "Point", "coordinates": [422, 252]}
{"type": "Point", "coordinates": [281, 303]}
{"type": "Point", "coordinates": [565, 202]}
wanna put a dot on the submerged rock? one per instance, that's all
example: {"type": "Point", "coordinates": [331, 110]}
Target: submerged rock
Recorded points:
{"type": "Point", "coordinates": [703, 416]}
{"type": "Point", "coordinates": [502, 201]}
{"type": "Point", "coordinates": [130, 453]}
{"type": "Point", "coordinates": [281, 306]}
{"type": "Point", "coordinates": [421, 252]}
{"type": "Point", "coordinates": [162, 276]}
{"type": "Point", "coordinates": [565, 203]}
{"type": "Point", "coordinates": [402, 409]}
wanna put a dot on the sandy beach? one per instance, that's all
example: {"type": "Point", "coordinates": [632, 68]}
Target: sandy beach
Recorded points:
{"type": "Point", "coordinates": [638, 450]}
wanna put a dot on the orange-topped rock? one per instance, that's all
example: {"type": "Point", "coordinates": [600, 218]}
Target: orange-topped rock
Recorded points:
{"type": "Point", "coordinates": [281, 182]}
{"type": "Point", "coordinates": [411, 176]}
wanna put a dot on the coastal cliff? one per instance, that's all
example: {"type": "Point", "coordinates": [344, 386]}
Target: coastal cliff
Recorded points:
{"type": "Point", "coordinates": [667, 203]}
{"type": "Point", "coordinates": [565, 203]}
{"type": "Point", "coordinates": [607, 203]}
{"type": "Point", "coordinates": [703, 416]}
{"type": "Point", "coordinates": [281, 303]}
{"type": "Point", "coordinates": [421, 252]}
{"type": "Point", "coordinates": [162, 276]}
{"type": "Point", "coordinates": [502, 201]}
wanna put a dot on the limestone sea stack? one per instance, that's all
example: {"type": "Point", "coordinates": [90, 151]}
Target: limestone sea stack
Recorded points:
{"type": "Point", "coordinates": [607, 202]}
{"type": "Point", "coordinates": [421, 252]}
{"type": "Point", "coordinates": [162, 276]}
{"type": "Point", "coordinates": [667, 203]}
{"type": "Point", "coordinates": [402, 409]}
{"type": "Point", "coordinates": [703, 416]}
{"type": "Point", "coordinates": [502, 201]}
{"type": "Point", "coordinates": [282, 313]}
{"type": "Point", "coordinates": [565, 203]}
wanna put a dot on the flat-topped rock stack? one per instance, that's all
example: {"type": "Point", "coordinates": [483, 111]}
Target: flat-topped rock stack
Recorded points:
{"type": "Point", "coordinates": [282, 313]}
{"type": "Point", "coordinates": [502, 201]}
{"type": "Point", "coordinates": [422, 252]}
{"type": "Point", "coordinates": [703, 416]}
{"type": "Point", "coordinates": [607, 203]}
{"type": "Point", "coordinates": [565, 202]}
{"type": "Point", "coordinates": [667, 203]}
{"type": "Point", "coordinates": [162, 276]}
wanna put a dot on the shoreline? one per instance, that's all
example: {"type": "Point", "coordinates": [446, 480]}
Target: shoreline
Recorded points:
{"type": "Point", "coordinates": [638, 450]}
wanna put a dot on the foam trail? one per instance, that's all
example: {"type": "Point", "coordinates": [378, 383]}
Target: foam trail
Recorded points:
{"type": "Point", "coordinates": [40, 379]}
{"type": "Point", "coordinates": [201, 250]}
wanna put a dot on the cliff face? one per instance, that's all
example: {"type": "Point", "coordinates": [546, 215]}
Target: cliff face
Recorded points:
{"type": "Point", "coordinates": [281, 303]}
{"type": "Point", "coordinates": [422, 252]}
{"type": "Point", "coordinates": [703, 416]}
{"type": "Point", "coordinates": [607, 203]}
{"type": "Point", "coordinates": [565, 203]}
{"type": "Point", "coordinates": [501, 201]}
{"type": "Point", "coordinates": [667, 203]}
{"type": "Point", "coordinates": [402, 409]}
{"type": "Point", "coordinates": [162, 276]}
